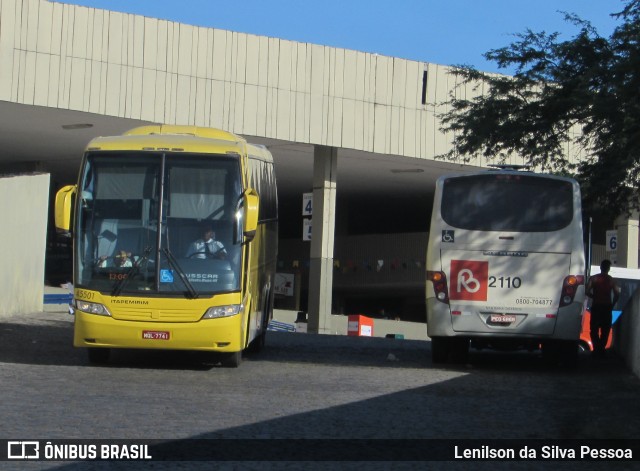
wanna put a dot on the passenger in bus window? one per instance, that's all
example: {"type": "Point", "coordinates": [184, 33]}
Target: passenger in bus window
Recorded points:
{"type": "Point", "coordinates": [122, 259]}
{"type": "Point", "coordinates": [604, 293]}
{"type": "Point", "coordinates": [207, 246]}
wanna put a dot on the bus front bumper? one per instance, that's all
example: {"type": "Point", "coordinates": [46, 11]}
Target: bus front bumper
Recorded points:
{"type": "Point", "coordinates": [222, 334]}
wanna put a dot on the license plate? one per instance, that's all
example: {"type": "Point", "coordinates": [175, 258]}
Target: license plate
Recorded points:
{"type": "Point", "coordinates": [502, 319]}
{"type": "Point", "coordinates": [155, 335]}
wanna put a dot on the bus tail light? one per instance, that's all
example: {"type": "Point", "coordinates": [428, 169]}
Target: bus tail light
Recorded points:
{"type": "Point", "coordinates": [439, 280]}
{"type": "Point", "coordinates": [569, 288]}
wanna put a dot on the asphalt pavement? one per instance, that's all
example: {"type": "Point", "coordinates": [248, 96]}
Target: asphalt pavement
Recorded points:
{"type": "Point", "coordinates": [303, 386]}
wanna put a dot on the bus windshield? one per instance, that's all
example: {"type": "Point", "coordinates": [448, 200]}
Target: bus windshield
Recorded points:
{"type": "Point", "coordinates": [139, 216]}
{"type": "Point", "coordinates": [503, 202]}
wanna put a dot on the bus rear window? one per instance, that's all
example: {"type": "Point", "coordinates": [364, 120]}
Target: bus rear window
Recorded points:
{"type": "Point", "coordinates": [507, 202]}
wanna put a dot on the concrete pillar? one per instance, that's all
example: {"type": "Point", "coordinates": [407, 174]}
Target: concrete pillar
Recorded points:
{"type": "Point", "coordinates": [24, 202]}
{"type": "Point", "coordinates": [325, 169]}
{"type": "Point", "coordinates": [628, 233]}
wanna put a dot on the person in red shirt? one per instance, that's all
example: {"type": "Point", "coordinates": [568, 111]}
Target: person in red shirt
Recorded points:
{"type": "Point", "coordinates": [604, 293]}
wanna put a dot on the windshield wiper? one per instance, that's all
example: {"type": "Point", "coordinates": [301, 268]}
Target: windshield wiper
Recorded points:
{"type": "Point", "coordinates": [176, 266]}
{"type": "Point", "coordinates": [135, 268]}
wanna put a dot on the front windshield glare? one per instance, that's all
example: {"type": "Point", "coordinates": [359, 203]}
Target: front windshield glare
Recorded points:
{"type": "Point", "coordinates": [158, 223]}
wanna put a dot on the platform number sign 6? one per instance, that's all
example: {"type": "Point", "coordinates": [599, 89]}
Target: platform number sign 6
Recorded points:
{"type": "Point", "coordinates": [612, 241]}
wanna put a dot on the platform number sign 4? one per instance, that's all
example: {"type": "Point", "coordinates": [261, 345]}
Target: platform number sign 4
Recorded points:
{"type": "Point", "coordinates": [307, 210]}
{"type": "Point", "coordinates": [307, 204]}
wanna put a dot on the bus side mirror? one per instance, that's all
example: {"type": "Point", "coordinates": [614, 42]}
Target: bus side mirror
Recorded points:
{"type": "Point", "coordinates": [251, 210]}
{"type": "Point", "coordinates": [64, 207]}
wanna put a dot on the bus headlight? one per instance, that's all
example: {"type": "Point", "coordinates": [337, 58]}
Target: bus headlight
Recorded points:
{"type": "Point", "coordinates": [222, 311]}
{"type": "Point", "coordinates": [92, 308]}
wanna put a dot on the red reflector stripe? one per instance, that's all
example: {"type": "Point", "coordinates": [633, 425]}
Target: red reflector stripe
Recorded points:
{"type": "Point", "coordinates": [456, 313]}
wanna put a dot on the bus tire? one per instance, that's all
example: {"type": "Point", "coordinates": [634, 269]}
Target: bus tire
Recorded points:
{"type": "Point", "coordinates": [569, 353]}
{"type": "Point", "coordinates": [231, 360]}
{"type": "Point", "coordinates": [439, 349]}
{"type": "Point", "coordinates": [551, 352]}
{"type": "Point", "coordinates": [459, 350]}
{"type": "Point", "coordinates": [98, 356]}
{"type": "Point", "coordinates": [583, 347]}
{"type": "Point", "coordinates": [258, 343]}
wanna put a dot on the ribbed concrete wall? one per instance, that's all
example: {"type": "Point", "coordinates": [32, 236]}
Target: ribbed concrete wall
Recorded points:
{"type": "Point", "coordinates": [24, 202]}
{"type": "Point", "coordinates": [104, 62]}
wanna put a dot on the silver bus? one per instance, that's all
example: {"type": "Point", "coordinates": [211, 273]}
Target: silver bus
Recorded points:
{"type": "Point", "coordinates": [505, 264]}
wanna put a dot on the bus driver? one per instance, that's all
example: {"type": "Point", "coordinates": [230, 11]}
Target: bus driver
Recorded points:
{"type": "Point", "coordinates": [207, 246]}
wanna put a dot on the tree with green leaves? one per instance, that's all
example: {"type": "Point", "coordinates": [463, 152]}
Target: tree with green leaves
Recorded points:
{"type": "Point", "coordinates": [590, 83]}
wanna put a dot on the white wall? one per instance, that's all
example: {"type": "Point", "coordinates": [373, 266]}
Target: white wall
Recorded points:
{"type": "Point", "coordinates": [24, 202]}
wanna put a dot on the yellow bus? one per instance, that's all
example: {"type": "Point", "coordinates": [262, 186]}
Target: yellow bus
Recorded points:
{"type": "Point", "coordinates": [175, 232]}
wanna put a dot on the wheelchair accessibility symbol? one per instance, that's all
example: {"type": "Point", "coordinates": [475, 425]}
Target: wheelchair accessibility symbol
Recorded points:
{"type": "Point", "coordinates": [166, 276]}
{"type": "Point", "coordinates": [448, 236]}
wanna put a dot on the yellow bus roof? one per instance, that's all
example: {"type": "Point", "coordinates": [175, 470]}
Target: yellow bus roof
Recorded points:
{"type": "Point", "coordinates": [173, 138]}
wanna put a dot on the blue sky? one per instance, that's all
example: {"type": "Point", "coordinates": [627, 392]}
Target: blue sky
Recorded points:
{"type": "Point", "coordinates": [450, 32]}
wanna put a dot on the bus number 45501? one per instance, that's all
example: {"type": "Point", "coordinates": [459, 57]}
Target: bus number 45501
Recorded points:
{"type": "Point", "coordinates": [505, 282]}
